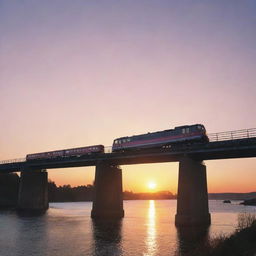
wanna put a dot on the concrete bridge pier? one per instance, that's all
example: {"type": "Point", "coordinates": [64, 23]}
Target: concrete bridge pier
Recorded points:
{"type": "Point", "coordinates": [108, 198]}
{"type": "Point", "coordinates": [192, 201]}
{"type": "Point", "coordinates": [9, 187]}
{"type": "Point", "coordinates": [33, 192]}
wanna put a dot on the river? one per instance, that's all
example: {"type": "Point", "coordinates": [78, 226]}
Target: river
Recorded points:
{"type": "Point", "coordinates": [147, 229]}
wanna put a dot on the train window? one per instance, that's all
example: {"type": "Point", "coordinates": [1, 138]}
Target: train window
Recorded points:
{"type": "Point", "coordinates": [183, 130]}
{"type": "Point", "coordinates": [187, 130]}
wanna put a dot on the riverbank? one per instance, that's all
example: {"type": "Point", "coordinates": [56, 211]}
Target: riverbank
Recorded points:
{"type": "Point", "coordinates": [241, 243]}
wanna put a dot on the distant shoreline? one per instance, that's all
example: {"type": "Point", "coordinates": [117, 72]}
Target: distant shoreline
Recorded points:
{"type": "Point", "coordinates": [139, 200]}
{"type": "Point", "coordinates": [67, 193]}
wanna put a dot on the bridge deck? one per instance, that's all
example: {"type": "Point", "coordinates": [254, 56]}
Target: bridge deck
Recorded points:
{"type": "Point", "coordinates": [238, 148]}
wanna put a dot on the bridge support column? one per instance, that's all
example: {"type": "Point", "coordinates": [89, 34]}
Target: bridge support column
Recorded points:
{"type": "Point", "coordinates": [9, 186]}
{"type": "Point", "coordinates": [33, 192]}
{"type": "Point", "coordinates": [192, 201]}
{"type": "Point", "coordinates": [108, 198]}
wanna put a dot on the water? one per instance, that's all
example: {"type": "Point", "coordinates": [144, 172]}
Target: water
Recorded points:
{"type": "Point", "coordinates": [148, 229]}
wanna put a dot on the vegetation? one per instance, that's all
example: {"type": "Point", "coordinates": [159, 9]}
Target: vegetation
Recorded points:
{"type": "Point", "coordinates": [67, 193]}
{"type": "Point", "coordinates": [241, 243]}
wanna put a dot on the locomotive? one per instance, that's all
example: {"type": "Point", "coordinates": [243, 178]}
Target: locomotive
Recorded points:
{"type": "Point", "coordinates": [182, 134]}
{"type": "Point", "coordinates": [72, 152]}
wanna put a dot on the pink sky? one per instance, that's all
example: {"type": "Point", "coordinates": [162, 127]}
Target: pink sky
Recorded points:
{"type": "Point", "coordinates": [85, 73]}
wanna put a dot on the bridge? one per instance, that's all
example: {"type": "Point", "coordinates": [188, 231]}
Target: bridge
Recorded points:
{"type": "Point", "coordinates": [192, 201]}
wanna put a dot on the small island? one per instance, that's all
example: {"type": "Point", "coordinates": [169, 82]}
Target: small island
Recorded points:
{"type": "Point", "coordinates": [249, 202]}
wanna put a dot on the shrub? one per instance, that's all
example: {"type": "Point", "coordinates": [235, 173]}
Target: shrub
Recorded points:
{"type": "Point", "coordinates": [246, 220]}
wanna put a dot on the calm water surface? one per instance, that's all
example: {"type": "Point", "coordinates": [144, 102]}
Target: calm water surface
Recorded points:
{"type": "Point", "coordinates": [147, 229]}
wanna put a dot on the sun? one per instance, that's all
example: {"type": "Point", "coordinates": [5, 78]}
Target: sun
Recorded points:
{"type": "Point", "coordinates": [151, 185]}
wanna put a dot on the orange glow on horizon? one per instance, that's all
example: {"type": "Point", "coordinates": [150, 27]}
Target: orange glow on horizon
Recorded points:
{"type": "Point", "coordinates": [222, 176]}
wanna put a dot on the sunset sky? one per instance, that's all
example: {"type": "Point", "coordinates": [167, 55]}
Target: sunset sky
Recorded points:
{"type": "Point", "coordinates": [77, 73]}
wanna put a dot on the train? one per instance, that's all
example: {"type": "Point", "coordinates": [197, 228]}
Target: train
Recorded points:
{"type": "Point", "coordinates": [72, 152]}
{"type": "Point", "coordinates": [186, 134]}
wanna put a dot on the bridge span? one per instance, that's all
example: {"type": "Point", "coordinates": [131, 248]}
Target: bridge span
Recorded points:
{"type": "Point", "coordinates": [192, 203]}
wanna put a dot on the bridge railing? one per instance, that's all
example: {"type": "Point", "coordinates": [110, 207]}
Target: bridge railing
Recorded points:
{"type": "Point", "coordinates": [11, 161]}
{"type": "Point", "coordinates": [233, 135]}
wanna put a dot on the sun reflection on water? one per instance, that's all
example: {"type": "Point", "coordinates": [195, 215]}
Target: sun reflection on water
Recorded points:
{"type": "Point", "coordinates": [151, 230]}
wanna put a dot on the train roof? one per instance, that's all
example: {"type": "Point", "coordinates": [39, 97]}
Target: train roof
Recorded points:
{"type": "Point", "coordinates": [186, 126]}
{"type": "Point", "coordinates": [177, 127]}
{"type": "Point", "coordinates": [65, 149]}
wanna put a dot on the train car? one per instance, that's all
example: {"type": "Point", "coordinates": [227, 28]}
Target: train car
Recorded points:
{"type": "Point", "coordinates": [84, 150]}
{"type": "Point", "coordinates": [45, 155]}
{"type": "Point", "coordinates": [72, 152]}
{"type": "Point", "coordinates": [181, 134]}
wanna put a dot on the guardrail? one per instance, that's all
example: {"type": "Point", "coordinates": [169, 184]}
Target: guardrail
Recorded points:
{"type": "Point", "coordinates": [233, 135]}
{"type": "Point", "coordinates": [11, 161]}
